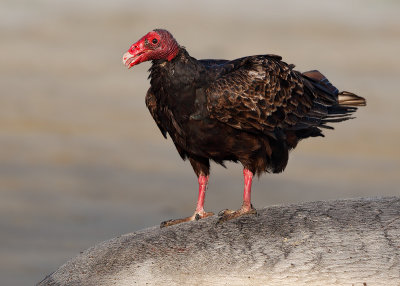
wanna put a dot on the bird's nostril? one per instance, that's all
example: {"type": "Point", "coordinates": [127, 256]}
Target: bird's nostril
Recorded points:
{"type": "Point", "coordinates": [132, 49]}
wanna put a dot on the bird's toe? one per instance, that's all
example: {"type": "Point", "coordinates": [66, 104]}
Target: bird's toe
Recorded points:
{"type": "Point", "coordinates": [225, 212]}
{"type": "Point", "coordinates": [226, 215]}
{"type": "Point", "coordinates": [195, 216]}
{"type": "Point", "coordinates": [198, 216]}
{"type": "Point", "coordinates": [173, 222]}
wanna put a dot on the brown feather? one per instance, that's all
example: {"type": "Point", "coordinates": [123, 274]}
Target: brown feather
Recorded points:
{"type": "Point", "coordinates": [253, 109]}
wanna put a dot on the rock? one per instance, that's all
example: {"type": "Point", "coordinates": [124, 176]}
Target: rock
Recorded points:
{"type": "Point", "coordinates": [343, 242]}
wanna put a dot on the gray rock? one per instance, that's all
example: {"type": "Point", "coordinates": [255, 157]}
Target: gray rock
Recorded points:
{"type": "Point", "coordinates": [344, 242]}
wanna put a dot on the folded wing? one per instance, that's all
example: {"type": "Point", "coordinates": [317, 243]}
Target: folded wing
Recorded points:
{"type": "Point", "coordinates": [262, 94]}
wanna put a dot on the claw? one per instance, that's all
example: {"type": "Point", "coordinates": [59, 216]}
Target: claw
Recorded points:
{"type": "Point", "coordinates": [226, 215]}
{"type": "Point", "coordinates": [196, 216]}
{"type": "Point", "coordinates": [225, 212]}
{"type": "Point", "coordinates": [172, 222]}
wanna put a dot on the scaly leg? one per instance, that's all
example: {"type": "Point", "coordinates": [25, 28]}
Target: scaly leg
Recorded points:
{"type": "Point", "coordinates": [199, 213]}
{"type": "Point", "coordinates": [247, 207]}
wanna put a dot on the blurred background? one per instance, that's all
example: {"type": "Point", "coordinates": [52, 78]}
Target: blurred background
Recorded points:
{"type": "Point", "coordinates": [82, 161]}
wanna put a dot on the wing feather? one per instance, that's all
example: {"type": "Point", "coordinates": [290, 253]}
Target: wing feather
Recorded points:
{"type": "Point", "coordinates": [151, 103]}
{"type": "Point", "coordinates": [260, 94]}
{"type": "Point", "coordinates": [263, 94]}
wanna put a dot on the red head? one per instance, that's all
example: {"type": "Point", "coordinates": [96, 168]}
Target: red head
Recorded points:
{"type": "Point", "coordinates": [156, 45]}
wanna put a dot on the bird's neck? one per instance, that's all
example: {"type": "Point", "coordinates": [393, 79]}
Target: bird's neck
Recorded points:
{"type": "Point", "coordinates": [180, 72]}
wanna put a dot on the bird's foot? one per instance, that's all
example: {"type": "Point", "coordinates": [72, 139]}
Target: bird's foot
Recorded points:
{"type": "Point", "coordinates": [226, 215]}
{"type": "Point", "coordinates": [195, 216]}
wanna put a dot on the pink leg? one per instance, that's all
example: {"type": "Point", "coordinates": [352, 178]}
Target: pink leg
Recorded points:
{"type": "Point", "coordinates": [248, 177]}
{"type": "Point", "coordinates": [246, 208]}
{"type": "Point", "coordinates": [199, 213]}
{"type": "Point", "coordinates": [203, 181]}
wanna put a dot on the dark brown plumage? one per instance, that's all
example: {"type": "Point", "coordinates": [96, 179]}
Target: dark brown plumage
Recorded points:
{"type": "Point", "coordinates": [251, 110]}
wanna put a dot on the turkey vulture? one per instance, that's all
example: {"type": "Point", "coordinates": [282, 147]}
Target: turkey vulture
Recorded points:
{"type": "Point", "coordinates": [251, 110]}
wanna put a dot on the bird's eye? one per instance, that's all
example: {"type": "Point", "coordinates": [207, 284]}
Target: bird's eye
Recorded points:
{"type": "Point", "coordinates": [155, 41]}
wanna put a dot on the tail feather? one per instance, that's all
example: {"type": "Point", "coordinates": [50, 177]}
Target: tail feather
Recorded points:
{"type": "Point", "coordinates": [346, 98]}
{"type": "Point", "coordinates": [321, 82]}
{"type": "Point", "coordinates": [330, 105]}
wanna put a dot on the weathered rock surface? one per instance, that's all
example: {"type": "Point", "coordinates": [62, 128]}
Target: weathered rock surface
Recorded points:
{"type": "Point", "coordinates": [344, 242]}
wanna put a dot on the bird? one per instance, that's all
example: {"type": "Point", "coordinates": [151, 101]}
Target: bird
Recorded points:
{"type": "Point", "coordinates": [252, 110]}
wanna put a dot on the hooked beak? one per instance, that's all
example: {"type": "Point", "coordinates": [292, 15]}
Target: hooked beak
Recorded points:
{"type": "Point", "coordinates": [136, 54]}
